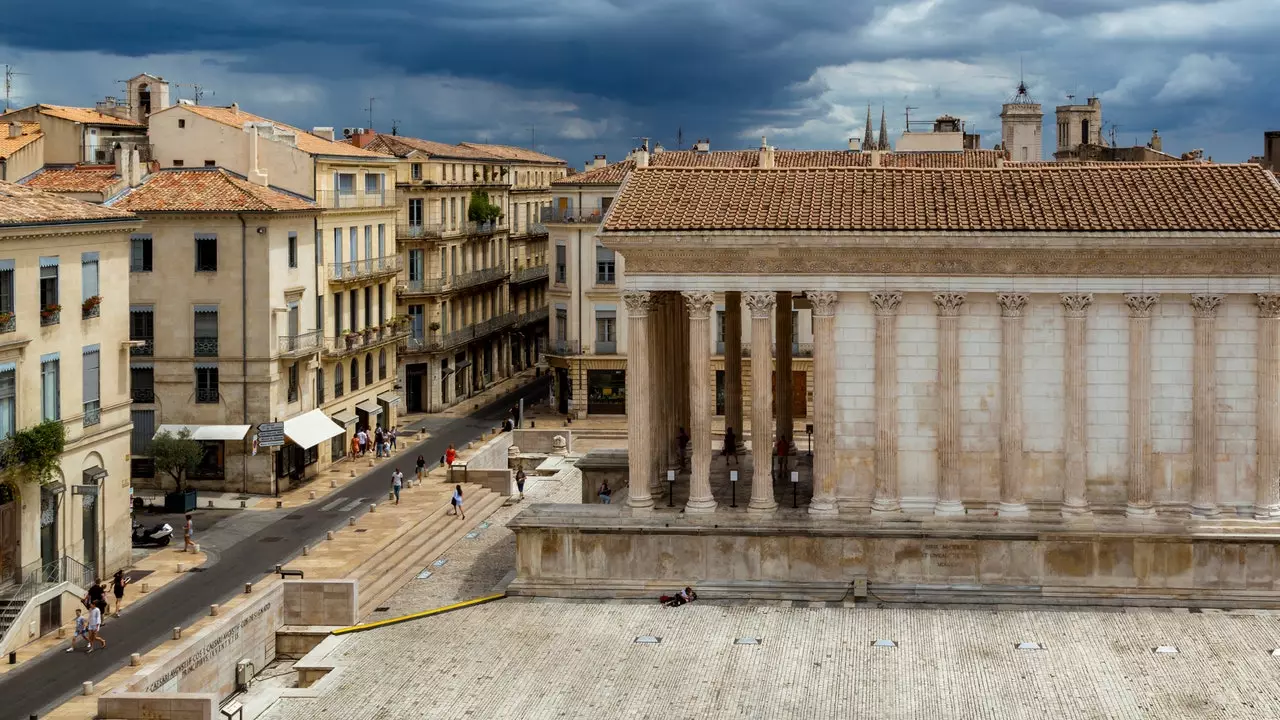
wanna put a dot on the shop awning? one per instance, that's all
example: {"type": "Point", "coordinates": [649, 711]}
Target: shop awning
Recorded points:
{"type": "Point", "coordinates": [207, 432]}
{"type": "Point", "coordinates": [344, 417]}
{"type": "Point", "coordinates": [94, 475]}
{"type": "Point", "coordinates": [390, 397]}
{"type": "Point", "coordinates": [369, 406]}
{"type": "Point", "coordinates": [311, 428]}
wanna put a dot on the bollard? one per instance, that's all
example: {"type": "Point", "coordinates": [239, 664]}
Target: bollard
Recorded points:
{"type": "Point", "coordinates": [279, 504]}
{"type": "Point", "coordinates": [146, 588]}
{"type": "Point", "coordinates": [333, 482]}
{"type": "Point", "coordinates": [328, 535]}
{"type": "Point", "coordinates": [306, 550]}
{"type": "Point", "coordinates": [248, 588]}
{"type": "Point", "coordinates": [182, 567]}
{"type": "Point", "coordinates": [353, 473]}
{"type": "Point", "coordinates": [351, 520]}
{"type": "Point", "coordinates": [210, 505]}
{"type": "Point", "coordinates": [242, 505]}
{"type": "Point", "coordinates": [13, 657]}
{"type": "Point", "coordinates": [177, 633]}
{"type": "Point", "coordinates": [370, 462]}
{"type": "Point", "coordinates": [213, 610]}
{"type": "Point", "coordinates": [278, 568]}
{"type": "Point", "coordinates": [311, 495]}
{"type": "Point", "coordinates": [195, 547]}
{"type": "Point", "coordinates": [86, 688]}
{"type": "Point", "coordinates": [135, 660]}
{"type": "Point", "coordinates": [373, 507]}
{"type": "Point", "coordinates": [62, 632]}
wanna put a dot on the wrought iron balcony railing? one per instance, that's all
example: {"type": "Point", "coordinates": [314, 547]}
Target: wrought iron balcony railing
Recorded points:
{"type": "Point", "coordinates": [530, 274]}
{"type": "Point", "coordinates": [146, 349]}
{"type": "Point", "coordinates": [301, 344]}
{"type": "Point", "coordinates": [340, 200]}
{"type": "Point", "coordinates": [92, 413]}
{"type": "Point", "coordinates": [571, 216]}
{"type": "Point", "coordinates": [206, 395]}
{"type": "Point", "coordinates": [353, 270]}
{"type": "Point", "coordinates": [205, 347]}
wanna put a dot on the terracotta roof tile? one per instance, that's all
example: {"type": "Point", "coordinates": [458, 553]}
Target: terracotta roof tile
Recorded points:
{"type": "Point", "coordinates": [81, 178]}
{"type": "Point", "coordinates": [212, 190]}
{"type": "Point", "coordinates": [612, 174]}
{"type": "Point", "coordinates": [1127, 197]}
{"type": "Point", "coordinates": [21, 205]}
{"type": "Point", "coordinates": [88, 116]}
{"type": "Point", "coordinates": [962, 159]}
{"type": "Point", "coordinates": [401, 146]}
{"type": "Point", "coordinates": [693, 158]}
{"type": "Point", "coordinates": [307, 142]}
{"type": "Point", "coordinates": [510, 152]}
{"type": "Point", "coordinates": [10, 145]}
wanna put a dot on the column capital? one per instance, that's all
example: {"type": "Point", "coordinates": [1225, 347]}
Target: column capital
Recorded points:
{"type": "Point", "coordinates": [1268, 305]}
{"type": "Point", "coordinates": [1012, 304]}
{"type": "Point", "coordinates": [1206, 305]}
{"type": "Point", "coordinates": [949, 303]}
{"type": "Point", "coordinates": [823, 302]}
{"type": "Point", "coordinates": [761, 304]}
{"type": "Point", "coordinates": [639, 302]}
{"type": "Point", "coordinates": [886, 302]}
{"type": "Point", "coordinates": [699, 302]}
{"type": "Point", "coordinates": [1140, 304]}
{"type": "Point", "coordinates": [1076, 304]}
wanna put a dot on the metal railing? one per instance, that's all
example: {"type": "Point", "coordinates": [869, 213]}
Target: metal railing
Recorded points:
{"type": "Point", "coordinates": [299, 344]}
{"type": "Point", "coordinates": [92, 311]}
{"type": "Point", "coordinates": [206, 395]}
{"type": "Point", "coordinates": [92, 413]}
{"type": "Point", "coordinates": [334, 199]}
{"type": "Point", "coordinates": [10, 323]}
{"type": "Point", "coordinates": [421, 231]}
{"type": "Point", "coordinates": [146, 349]}
{"type": "Point", "coordinates": [436, 342]}
{"type": "Point", "coordinates": [533, 316]}
{"type": "Point", "coordinates": [477, 277]}
{"type": "Point", "coordinates": [50, 317]}
{"type": "Point", "coordinates": [347, 343]}
{"type": "Point", "coordinates": [606, 348]}
{"type": "Point", "coordinates": [564, 347]}
{"type": "Point", "coordinates": [590, 215]}
{"type": "Point", "coordinates": [366, 268]}
{"type": "Point", "coordinates": [483, 228]}
{"type": "Point", "coordinates": [529, 274]}
{"type": "Point", "coordinates": [143, 394]}
{"type": "Point", "coordinates": [205, 347]}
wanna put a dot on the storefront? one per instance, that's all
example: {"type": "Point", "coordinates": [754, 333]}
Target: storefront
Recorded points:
{"type": "Point", "coordinates": [340, 444]}
{"type": "Point", "coordinates": [213, 441]}
{"type": "Point", "coordinates": [303, 435]}
{"type": "Point", "coordinates": [369, 413]}
{"type": "Point", "coordinates": [606, 392]}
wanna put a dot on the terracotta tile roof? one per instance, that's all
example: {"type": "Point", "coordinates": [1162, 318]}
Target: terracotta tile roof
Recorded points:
{"type": "Point", "coordinates": [307, 142]}
{"type": "Point", "coordinates": [21, 205]}
{"type": "Point", "coordinates": [80, 178]}
{"type": "Point", "coordinates": [212, 190]}
{"type": "Point", "coordinates": [612, 174]}
{"type": "Point", "coordinates": [1160, 196]}
{"type": "Point", "coordinates": [510, 152]}
{"type": "Point", "coordinates": [693, 158]}
{"type": "Point", "coordinates": [10, 145]}
{"type": "Point", "coordinates": [88, 116]}
{"type": "Point", "coordinates": [962, 159]}
{"type": "Point", "coordinates": [401, 146]}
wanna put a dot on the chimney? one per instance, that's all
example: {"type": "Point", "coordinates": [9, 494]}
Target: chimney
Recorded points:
{"type": "Point", "coordinates": [766, 153]}
{"type": "Point", "coordinates": [641, 156]}
{"type": "Point", "coordinates": [129, 166]}
{"type": "Point", "coordinates": [1157, 143]}
{"type": "Point", "coordinates": [235, 107]}
{"type": "Point", "coordinates": [598, 162]}
{"type": "Point", "coordinates": [854, 144]}
{"type": "Point", "coordinates": [256, 174]}
{"type": "Point", "coordinates": [15, 129]}
{"type": "Point", "coordinates": [703, 145]}
{"type": "Point", "coordinates": [999, 162]}
{"type": "Point", "coordinates": [361, 136]}
{"type": "Point", "coordinates": [324, 132]}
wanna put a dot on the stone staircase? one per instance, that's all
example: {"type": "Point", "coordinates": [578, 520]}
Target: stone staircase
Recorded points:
{"type": "Point", "coordinates": [10, 609]}
{"type": "Point", "coordinates": [402, 555]}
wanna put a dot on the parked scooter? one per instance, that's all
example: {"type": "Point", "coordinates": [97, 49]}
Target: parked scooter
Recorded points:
{"type": "Point", "coordinates": [158, 536]}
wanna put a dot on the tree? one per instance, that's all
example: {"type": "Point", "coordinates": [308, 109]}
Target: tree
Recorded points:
{"type": "Point", "coordinates": [177, 454]}
{"type": "Point", "coordinates": [33, 454]}
{"type": "Point", "coordinates": [480, 209]}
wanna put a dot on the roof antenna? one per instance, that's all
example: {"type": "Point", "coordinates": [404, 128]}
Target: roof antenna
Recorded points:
{"type": "Point", "coordinates": [395, 127]}
{"type": "Point", "coordinates": [371, 112]}
{"type": "Point", "coordinates": [9, 75]}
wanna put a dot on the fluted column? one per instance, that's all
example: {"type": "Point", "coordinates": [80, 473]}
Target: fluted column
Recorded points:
{"type": "Point", "coordinates": [700, 410]}
{"type": "Point", "coordinates": [1204, 425]}
{"type": "Point", "coordinates": [666, 385]}
{"type": "Point", "coordinates": [639, 426]}
{"type": "Point", "coordinates": [1140, 305]}
{"type": "Point", "coordinates": [761, 305]}
{"type": "Point", "coordinates": [824, 403]}
{"type": "Point", "coordinates": [659, 379]}
{"type": "Point", "coordinates": [782, 367]}
{"type": "Point", "coordinates": [1013, 501]}
{"type": "Point", "coordinates": [949, 304]}
{"type": "Point", "coordinates": [1267, 498]}
{"type": "Point", "coordinates": [680, 322]}
{"type": "Point", "coordinates": [733, 361]}
{"type": "Point", "coordinates": [1074, 500]}
{"type": "Point", "coordinates": [887, 498]}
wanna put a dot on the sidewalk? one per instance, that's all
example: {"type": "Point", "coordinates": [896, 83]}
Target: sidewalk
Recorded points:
{"type": "Point", "coordinates": [422, 421]}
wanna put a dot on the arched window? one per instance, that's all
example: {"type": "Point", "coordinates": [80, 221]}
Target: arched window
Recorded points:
{"type": "Point", "coordinates": [368, 368]}
{"type": "Point", "coordinates": [355, 374]}
{"type": "Point", "coordinates": [382, 364]}
{"type": "Point", "coordinates": [337, 382]}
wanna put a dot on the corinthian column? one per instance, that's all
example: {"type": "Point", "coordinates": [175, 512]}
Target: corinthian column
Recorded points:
{"type": "Point", "coordinates": [662, 425]}
{"type": "Point", "coordinates": [700, 498]}
{"type": "Point", "coordinates": [1140, 305]}
{"type": "Point", "coordinates": [1013, 502]}
{"type": "Point", "coordinates": [639, 426]}
{"type": "Point", "coordinates": [1074, 501]}
{"type": "Point", "coordinates": [949, 304]}
{"type": "Point", "coordinates": [1204, 426]}
{"type": "Point", "coordinates": [782, 367]}
{"type": "Point", "coordinates": [1267, 500]}
{"type": "Point", "coordinates": [761, 305]}
{"type": "Point", "coordinates": [733, 361]}
{"type": "Point", "coordinates": [887, 499]}
{"type": "Point", "coordinates": [824, 403]}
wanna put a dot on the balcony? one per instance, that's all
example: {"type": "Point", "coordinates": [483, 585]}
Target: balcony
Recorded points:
{"type": "Point", "coordinates": [205, 347]}
{"type": "Point", "coordinates": [483, 228]}
{"type": "Point", "coordinates": [421, 231]}
{"type": "Point", "coordinates": [530, 274]}
{"type": "Point", "coordinates": [92, 413]}
{"type": "Point", "coordinates": [531, 230]}
{"type": "Point", "coordinates": [206, 395]}
{"type": "Point", "coordinates": [50, 315]}
{"type": "Point", "coordinates": [296, 345]}
{"type": "Point", "coordinates": [606, 348]}
{"type": "Point", "coordinates": [564, 348]}
{"type": "Point", "coordinates": [8, 322]}
{"type": "Point", "coordinates": [146, 349]}
{"type": "Point", "coordinates": [572, 216]}
{"type": "Point", "coordinates": [533, 316]}
{"type": "Point", "coordinates": [366, 269]}
{"type": "Point", "coordinates": [421, 286]}
{"type": "Point", "coordinates": [477, 277]}
{"type": "Point", "coordinates": [334, 200]}
{"type": "Point", "coordinates": [438, 342]}
{"type": "Point", "coordinates": [351, 343]}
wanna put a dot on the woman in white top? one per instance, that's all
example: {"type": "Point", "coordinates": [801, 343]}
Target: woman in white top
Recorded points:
{"type": "Point", "coordinates": [95, 624]}
{"type": "Point", "coordinates": [457, 501]}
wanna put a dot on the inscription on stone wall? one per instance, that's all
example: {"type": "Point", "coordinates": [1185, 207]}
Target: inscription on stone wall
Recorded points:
{"type": "Point", "coordinates": [208, 652]}
{"type": "Point", "coordinates": [951, 555]}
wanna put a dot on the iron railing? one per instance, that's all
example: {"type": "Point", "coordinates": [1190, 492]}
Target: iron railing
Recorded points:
{"type": "Point", "coordinates": [477, 277]}
{"type": "Point", "coordinates": [144, 394]}
{"type": "Point", "coordinates": [299, 344]}
{"type": "Point", "coordinates": [92, 311]}
{"type": "Point", "coordinates": [533, 316]}
{"type": "Point", "coordinates": [92, 413]}
{"type": "Point", "coordinates": [421, 231]}
{"type": "Point", "coordinates": [361, 269]}
{"type": "Point", "coordinates": [564, 347]}
{"type": "Point", "coordinates": [422, 286]}
{"type": "Point", "coordinates": [338, 200]}
{"type": "Point", "coordinates": [205, 347]}
{"type": "Point", "coordinates": [146, 349]}
{"type": "Point", "coordinates": [50, 317]}
{"type": "Point", "coordinates": [10, 323]}
{"type": "Point", "coordinates": [347, 343]}
{"type": "Point", "coordinates": [573, 215]}
{"type": "Point", "coordinates": [437, 342]}
{"type": "Point", "coordinates": [530, 274]}
{"type": "Point", "coordinates": [206, 395]}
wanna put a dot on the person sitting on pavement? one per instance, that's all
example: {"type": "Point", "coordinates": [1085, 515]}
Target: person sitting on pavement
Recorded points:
{"type": "Point", "coordinates": [686, 595]}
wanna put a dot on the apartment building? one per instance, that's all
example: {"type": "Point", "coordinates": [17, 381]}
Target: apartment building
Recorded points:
{"type": "Point", "coordinates": [472, 322]}
{"type": "Point", "coordinates": [354, 259]}
{"type": "Point", "coordinates": [63, 357]}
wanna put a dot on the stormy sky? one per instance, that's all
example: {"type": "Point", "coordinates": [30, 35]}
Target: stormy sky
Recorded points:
{"type": "Point", "coordinates": [588, 76]}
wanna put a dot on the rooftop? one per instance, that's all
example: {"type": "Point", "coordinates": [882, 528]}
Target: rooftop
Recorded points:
{"type": "Point", "coordinates": [21, 205]}
{"type": "Point", "coordinates": [206, 190]}
{"type": "Point", "coordinates": [77, 178]}
{"type": "Point", "coordinates": [87, 116]}
{"type": "Point", "coordinates": [10, 145]}
{"type": "Point", "coordinates": [233, 116]}
{"type": "Point", "coordinates": [1073, 198]}
{"type": "Point", "coordinates": [511, 152]}
{"type": "Point", "coordinates": [401, 146]}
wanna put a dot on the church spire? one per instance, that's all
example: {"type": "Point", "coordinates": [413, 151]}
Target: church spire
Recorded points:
{"type": "Point", "coordinates": [867, 142]}
{"type": "Point", "coordinates": [884, 132]}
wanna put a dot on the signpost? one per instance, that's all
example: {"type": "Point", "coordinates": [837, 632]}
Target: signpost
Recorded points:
{"type": "Point", "coordinates": [271, 434]}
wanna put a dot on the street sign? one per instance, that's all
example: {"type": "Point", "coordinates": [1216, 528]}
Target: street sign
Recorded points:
{"type": "Point", "coordinates": [271, 434]}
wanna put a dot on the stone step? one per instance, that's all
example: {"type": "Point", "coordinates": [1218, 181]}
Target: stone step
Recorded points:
{"type": "Point", "coordinates": [411, 559]}
{"type": "Point", "coordinates": [409, 529]}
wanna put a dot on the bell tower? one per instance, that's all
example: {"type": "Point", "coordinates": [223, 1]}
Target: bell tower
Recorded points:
{"type": "Point", "coordinates": [1021, 123]}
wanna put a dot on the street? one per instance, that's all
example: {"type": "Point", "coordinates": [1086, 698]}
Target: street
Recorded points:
{"type": "Point", "coordinates": [264, 539]}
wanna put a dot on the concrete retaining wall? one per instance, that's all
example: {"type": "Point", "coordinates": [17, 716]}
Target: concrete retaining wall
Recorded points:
{"type": "Point", "coordinates": [499, 481]}
{"type": "Point", "coordinates": [540, 441]}
{"type": "Point", "coordinates": [492, 455]}
{"type": "Point", "coordinates": [321, 602]}
{"type": "Point", "coordinates": [604, 464]}
{"type": "Point", "coordinates": [148, 706]}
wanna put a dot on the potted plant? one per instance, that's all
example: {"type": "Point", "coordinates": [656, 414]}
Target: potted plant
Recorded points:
{"type": "Point", "coordinates": [90, 306]}
{"type": "Point", "coordinates": [370, 333]}
{"type": "Point", "coordinates": [352, 337]}
{"type": "Point", "coordinates": [49, 311]}
{"type": "Point", "coordinates": [6, 318]}
{"type": "Point", "coordinates": [434, 327]}
{"type": "Point", "coordinates": [178, 455]}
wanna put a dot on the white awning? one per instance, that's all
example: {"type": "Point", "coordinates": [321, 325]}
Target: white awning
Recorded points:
{"type": "Point", "coordinates": [391, 397]}
{"type": "Point", "coordinates": [369, 406]}
{"type": "Point", "coordinates": [207, 432]}
{"type": "Point", "coordinates": [344, 417]}
{"type": "Point", "coordinates": [311, 428]}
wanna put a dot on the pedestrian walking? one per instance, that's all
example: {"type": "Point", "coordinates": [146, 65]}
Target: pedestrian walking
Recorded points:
{"type": "Point", "coordinates": [377, 442]}
{"type": "Point", "coordinates": [355, 446]}
{"type": "Point", "coordinates": [96, 594]}
{"type": "Point", "coordinates": [784, 453]}
{"type": "Point", "coordinates": [393, 435]}
{"type": "Point", "coordinates": [682, 446]}
{"type": "Point", "coordinates": [117, 588]}
{"type": "Point", "coordinates": [95, 625]}
{"type": "Point", "coordinates": [450, 455]}
{"type": "Point", "coordinates": [397, 479]}
{"type": "Point", "coordinates": [520, 478]}
{"type": "Point", "coordinates": [188, 535]}
{"type": "Point", "coordinates": [457, 502]}
{"type": "Point", "coordinates": [421, 467]}
{"type": "Point", "coordinates": [730, 450]}
{"type": "Point", "coordinates": [82, 630]}
{"type": "Point", "coordinates": [364, 441]}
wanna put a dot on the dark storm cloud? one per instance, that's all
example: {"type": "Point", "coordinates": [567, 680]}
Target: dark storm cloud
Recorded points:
{"type": "Point", "coordinates": [590, 74]}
